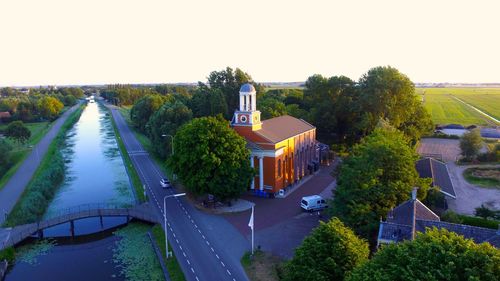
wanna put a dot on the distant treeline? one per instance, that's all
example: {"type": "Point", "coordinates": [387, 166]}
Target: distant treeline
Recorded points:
{"type": "Point", "coordinates": [37, 104]}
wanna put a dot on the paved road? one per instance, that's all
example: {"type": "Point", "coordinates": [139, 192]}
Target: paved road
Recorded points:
{"type": "Point", "coordinates": [207, 247]}
{"type": "Point", "coordinates": [18, 182]}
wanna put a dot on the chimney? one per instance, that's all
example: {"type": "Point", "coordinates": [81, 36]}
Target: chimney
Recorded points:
{"type": "Point", "coordinates": [414, 193]}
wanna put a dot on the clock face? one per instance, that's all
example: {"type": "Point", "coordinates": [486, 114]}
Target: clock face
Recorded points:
{"type": "Point", "coordinates": [243, 118]}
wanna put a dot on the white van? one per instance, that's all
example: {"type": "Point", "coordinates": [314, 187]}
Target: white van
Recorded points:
{"type": "Point", "coordinates": [313, 202]}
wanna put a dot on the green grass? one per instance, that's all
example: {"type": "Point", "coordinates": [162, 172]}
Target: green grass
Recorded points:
{"type": "Point", "coordinates": [131, 171]}
{"type": "Point", "coordinates": [445, 109]}
{"type": "Point", "coordinates": [21, 151]}
{"type": "Point", "coordinates": [174, 270]}
{"type": "Point", "coordinates": [46, 179]}
{"type": "Point", "coordinates": [484, 181]}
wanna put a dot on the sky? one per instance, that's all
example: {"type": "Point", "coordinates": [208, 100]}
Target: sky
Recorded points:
{"type": "Point", "coordinates": [64, 42]}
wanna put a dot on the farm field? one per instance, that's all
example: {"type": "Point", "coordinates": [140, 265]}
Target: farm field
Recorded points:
{"type": "Point", "coordinates": [445, 109]}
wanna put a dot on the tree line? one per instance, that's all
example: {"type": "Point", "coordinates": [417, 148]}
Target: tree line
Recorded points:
{"type": "Point", "coordinates": [38, 104]}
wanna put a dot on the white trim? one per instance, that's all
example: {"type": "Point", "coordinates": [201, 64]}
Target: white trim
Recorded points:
{"type": "Point", "coordinates": [267, 153]}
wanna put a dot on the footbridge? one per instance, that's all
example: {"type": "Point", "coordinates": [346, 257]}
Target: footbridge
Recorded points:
{"type": "Point", "coordinates": [15, 235]}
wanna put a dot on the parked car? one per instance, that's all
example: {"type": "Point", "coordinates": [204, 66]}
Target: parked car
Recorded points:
{"type": "Point", "coordinates": [165, 183]}
{"type": "Point", "coordinates": [313, 203]}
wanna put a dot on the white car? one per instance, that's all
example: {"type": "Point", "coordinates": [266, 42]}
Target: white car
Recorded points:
{"type": "Point", "coordinates": [165, 183]}
{"type": "Point", "coordinates": [313, 203]}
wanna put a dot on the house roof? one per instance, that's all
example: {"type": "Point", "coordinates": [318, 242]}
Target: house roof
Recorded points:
{"type": "Point", "coordinates": [403, 214]}
{"type": "Point", "coordinates": [5, 114]}
{"type": "Point", "coordinates": [247, 88]}
{"type": "Point", "coordinates": [438, 172]}
{"type": "Point", "coordinates": [398, 226]}
{"type": "Point", "coordinates": [283, 127]}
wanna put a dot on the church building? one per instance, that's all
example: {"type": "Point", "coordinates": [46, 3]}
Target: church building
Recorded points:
{"type": "Point", "coordinates": [283, 149]}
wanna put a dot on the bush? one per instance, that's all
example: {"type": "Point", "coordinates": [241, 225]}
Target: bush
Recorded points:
{"type": "Point", "coordinates": [453, 217]}
{"type": "Point", "coordinates": [8, 254]}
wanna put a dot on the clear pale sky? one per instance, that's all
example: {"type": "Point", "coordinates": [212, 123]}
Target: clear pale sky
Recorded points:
{"type": "Point", "coordinates": [53, 42]}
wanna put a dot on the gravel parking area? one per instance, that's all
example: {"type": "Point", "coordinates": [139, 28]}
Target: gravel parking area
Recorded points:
{"type": "Point", "coordinates": [470, 196]}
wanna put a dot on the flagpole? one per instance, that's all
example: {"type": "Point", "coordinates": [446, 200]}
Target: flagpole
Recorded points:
{"type": "Point", "coordinates": [252, 229]}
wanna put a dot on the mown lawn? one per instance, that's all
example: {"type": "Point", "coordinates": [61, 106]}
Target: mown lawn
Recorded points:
{"type": "Point", "coordinates": [445, 109]}
{"type": "Point", "coordinates": [21, 151]}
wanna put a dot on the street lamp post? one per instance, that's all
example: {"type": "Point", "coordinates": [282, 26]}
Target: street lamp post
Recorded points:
{"type": "Point", "coordinates": [172, 141]}
{"type": "Point", "coordinates": [165, 219]}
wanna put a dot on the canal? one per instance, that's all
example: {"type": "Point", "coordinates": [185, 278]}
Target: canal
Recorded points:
{"type": "Point", "coordinates": [95, 174]}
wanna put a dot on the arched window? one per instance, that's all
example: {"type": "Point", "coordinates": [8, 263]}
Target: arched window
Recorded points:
{"type": "Point", "coordinates": [279, 168]}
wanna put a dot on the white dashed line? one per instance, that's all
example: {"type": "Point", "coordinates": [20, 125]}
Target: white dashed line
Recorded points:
{"type": "Point", "coordinates": [227, 270]}
{"type": "Point", "coordinates": [217, 256]}
{"type": "Point", "coordinates": [199, 279]}
{"type": "Point", "coordinates": [188, 261]}
{"type": "Point", "coordinates": [184, 254]}
{"type": "Point", "coordinates": [180, 247]}
{"type": "Point", "coordinates": [222, 264]}
{"type": "Point", "coordinates": [202, 236]}
{"type": "Point", "coordinates": [192, 269]}
{"type": "Point", "coordinates": [212, 248]}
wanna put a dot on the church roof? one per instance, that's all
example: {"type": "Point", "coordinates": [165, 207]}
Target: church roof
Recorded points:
{"type": "Point", "coordinates": [283, 127]}
{"type": "Point", "coordinates": [247, 88]}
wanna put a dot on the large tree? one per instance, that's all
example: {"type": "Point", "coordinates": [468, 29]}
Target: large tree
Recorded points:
{"type": "Point", "coordinates": [378, 175]}
{"type": "Point", "coordinates": [144, 108]}
{"type": "Point", "coordinates": [165, 121]}
{"type": "Point", "coordinates": [389, 94]}
{"type": "Point", "coordinates": [211, 158]}
{"type": "Point", "coordinates": [471, 143]}
{"type": "Point", "coordinates": [208, 102]}
{"type": "Point", "coordinates": [436, 255]}
{"type": "Point", "coordinates": [5, 157]}
{"type": "Point", "coordinates": [228, 82]}
{"type": "Point", "coordinates": [17, 131]}
{"type": "Point", "coordinates": [49, 107]}
{"type": "Point", "coordinates": [330, 252]}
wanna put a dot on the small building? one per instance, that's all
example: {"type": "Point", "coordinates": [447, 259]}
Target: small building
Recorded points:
{"type": "Point", "coordinates": [283, 149]}
{"type": "Point", "coordinates": [412, 216]}
{"type": "Point", "coordinates": [5, 116]}
{"type": "Point", "coordinates": [438, 171]}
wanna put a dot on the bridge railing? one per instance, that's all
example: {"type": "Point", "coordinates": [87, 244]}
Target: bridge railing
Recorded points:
{"type": "Point", "coordinates": [20, 233]}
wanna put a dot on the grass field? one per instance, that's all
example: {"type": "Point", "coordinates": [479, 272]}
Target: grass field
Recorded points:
{"type": "Point", "coordinates": [445, 109]}
{"type": "Point", "coordinates": [21, 151]}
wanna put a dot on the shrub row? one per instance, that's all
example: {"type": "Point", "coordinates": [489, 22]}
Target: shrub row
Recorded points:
{"type": "Point", "coordinates": [453, 217]}
{"type": "Point", "coordinates": [46, 180]}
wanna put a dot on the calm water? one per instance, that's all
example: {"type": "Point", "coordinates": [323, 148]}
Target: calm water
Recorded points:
{"type": "Point", "coordinates": [95, 174]}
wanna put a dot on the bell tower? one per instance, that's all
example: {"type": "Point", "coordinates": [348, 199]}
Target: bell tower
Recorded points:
{"type": "Point", "coordinates": [247, 114]}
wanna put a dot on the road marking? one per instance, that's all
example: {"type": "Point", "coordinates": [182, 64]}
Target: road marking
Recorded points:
{"type": "Point", "coordinates": [180, 247]}
{"type": "Point", "coordinates": [222, 264]}
{"type": "Point", "coordinates": [208, 243]}
{"type": "Point", "coordinates": [177, 241]}
{"type": "Point", "coordinates": [212, 248]}
{"type": "Point", "coordinates": [227, 270]}
{"type": "Point", "coordinates": [192, 269]}
{"type": "Point", "coordinates": [199, 279]}
{"type": "Point", "coordinates": [217, 256]}
{"type": "Point", "coordinates": [184, 254]}
{"type": "Point", "coordinates": [203, 236]}
{"type": "Point", "coordinates": [188, 261]}
{"type": "Point", "coordinates": [199, 231]}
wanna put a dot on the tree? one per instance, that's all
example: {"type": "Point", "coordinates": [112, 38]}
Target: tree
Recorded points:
{"type": "Point", "coordinates": [211, 158]}
{"type": "Point", "coordinates": [144, 108]}
{"type": "Point", "coordinates": [208, 102]}
{"type": "Point", "coordinates": [433, 255]}
{"type": "Point", "coordinates": [5, 156]}
{"type": "Point", "coordinates": [378, 175]}
{"type": "Point", "coordinates": [330, 252]}
{"type": "Point", "coordinates": [471, 143]}
{"type": "Point", "coordinates": [49, 107]}
{"type": "Point", "coordinates": [389, 94]}
{"type": "Point", "coordinates": [166, 121]}
{"type": "Point", "coordinates": [484, 212]}
{"type": "Point", "coordinates": [17, 131]}
{"type": "Point", "coordinates": [228, 82]}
